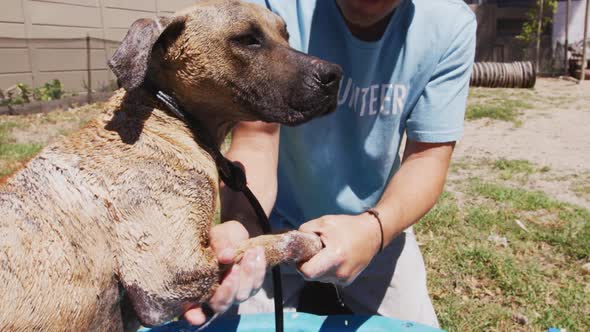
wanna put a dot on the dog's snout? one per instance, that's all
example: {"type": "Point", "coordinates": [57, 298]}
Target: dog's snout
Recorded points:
{"type": "Point", "coordinates": [328, 74]}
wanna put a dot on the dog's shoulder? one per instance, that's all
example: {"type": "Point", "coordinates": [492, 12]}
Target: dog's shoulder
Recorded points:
{"type": "Point", "coordinates": [136, 137]}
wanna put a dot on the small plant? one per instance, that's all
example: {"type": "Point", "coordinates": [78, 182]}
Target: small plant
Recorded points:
{"type": "Point", "coordinates": [25, 93]}
{"type": "Point", "coordinates": [17, 95]}
{"type": "Point", "coordinates": [49, 91]}
{"type": "Point", "coordinates": [22, 93]}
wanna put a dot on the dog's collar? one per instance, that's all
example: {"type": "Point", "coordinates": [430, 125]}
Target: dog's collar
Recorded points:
{"type": "Point", "coordinates": [172, 105]}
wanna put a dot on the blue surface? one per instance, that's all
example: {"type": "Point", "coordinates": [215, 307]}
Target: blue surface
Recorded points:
{"type": "Point", "coordinates": [302, 322]}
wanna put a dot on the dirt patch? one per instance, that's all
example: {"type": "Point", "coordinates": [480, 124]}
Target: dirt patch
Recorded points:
{"type": "Point", "coordinates": [553, 133]}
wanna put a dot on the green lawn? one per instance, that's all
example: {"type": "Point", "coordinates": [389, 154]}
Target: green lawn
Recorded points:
{"type": "Point", "coordinates": [479, 285]}
{"type": "Point", "coordinates": [12, 154]}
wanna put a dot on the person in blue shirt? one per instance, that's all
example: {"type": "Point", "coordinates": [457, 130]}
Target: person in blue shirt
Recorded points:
{"type": "Point", "coordinates": [407, 65]}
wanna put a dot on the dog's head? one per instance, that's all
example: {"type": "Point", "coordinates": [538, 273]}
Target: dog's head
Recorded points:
{"type": "Point", "coordinates": [228, 58]}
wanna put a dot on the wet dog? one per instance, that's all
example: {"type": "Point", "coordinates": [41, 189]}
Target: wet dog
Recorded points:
{"type": "Point", "coordinates": [124, 206]}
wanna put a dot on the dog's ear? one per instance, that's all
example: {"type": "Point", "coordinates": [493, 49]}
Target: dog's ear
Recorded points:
{"type": "Point", "coordinates": [131, 60]}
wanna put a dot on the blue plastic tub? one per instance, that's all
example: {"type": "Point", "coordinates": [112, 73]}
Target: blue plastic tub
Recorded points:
{"type": "Point", "coordinates": [301, 322]}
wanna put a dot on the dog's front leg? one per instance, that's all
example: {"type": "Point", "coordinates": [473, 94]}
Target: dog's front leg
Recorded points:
{"type": "Point", "coordinates": [164, 264]}
{"type": "Point", "coordinates": [288, 247]}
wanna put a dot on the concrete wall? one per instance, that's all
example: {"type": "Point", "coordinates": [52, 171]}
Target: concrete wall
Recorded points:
{"type": "Point", "coordinates": [41, 40]}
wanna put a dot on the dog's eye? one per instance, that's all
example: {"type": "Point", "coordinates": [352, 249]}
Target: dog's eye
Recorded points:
{"type": "Point", "coordinates": [248, 40]}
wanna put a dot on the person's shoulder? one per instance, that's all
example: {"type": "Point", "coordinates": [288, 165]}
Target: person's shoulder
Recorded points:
{"type": "Point", "coordinates": [444, 13]}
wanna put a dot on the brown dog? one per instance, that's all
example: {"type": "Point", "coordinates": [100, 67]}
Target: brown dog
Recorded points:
{"type": "Point", "coordinates": [127, 202]}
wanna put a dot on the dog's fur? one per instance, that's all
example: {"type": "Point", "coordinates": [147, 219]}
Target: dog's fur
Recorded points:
{"type": "Point", "coordinates": [127, 202]}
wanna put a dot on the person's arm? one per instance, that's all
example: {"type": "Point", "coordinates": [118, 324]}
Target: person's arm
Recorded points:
{"type": "Point", "coordinates": [416, 187]}
{"type": "Point", "coordinates": [255, 147]}
{"type": "Point", "coordinates": [352, 241]}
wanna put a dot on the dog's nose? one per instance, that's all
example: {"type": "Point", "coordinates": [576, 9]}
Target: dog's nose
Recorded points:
{"type": "Point", "coordinates": [328, 74]}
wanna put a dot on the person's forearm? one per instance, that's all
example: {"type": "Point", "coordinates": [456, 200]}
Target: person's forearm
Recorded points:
{"type": "Point", "coordinates": [415, 188]}
{"type": "Point", "coordinates": [255, 147]}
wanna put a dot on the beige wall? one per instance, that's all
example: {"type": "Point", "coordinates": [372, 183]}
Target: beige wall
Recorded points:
{"type": "Point", "coordinates": [42, 40]}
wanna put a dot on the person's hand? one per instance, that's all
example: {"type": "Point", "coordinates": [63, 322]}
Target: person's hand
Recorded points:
{"type": "Point", "coordinates": [242, 280]}
{"type": "Point", "coordinates": [350, 244]}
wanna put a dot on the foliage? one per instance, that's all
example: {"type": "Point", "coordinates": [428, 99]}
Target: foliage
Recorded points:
{"type": "Point", "coordinates": [529, 29]}
{"type": "Point", "coordinates": [49, 91]}
{"type": "Point", "coordinates": [23, 94]}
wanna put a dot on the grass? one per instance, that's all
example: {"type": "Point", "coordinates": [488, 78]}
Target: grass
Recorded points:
{"type": "Point", "coordinates": [23, 136]}
{"type": "Point", "coordinates": [13, 154]}
{"type": "Point", "coordinates": [506, 104]}
{"type": "Point", "coordinates": [494, 93]}
{"type": "Point", "coordinates": [499, 104]}
{"type": "Point", "coordinates": [513, 197]}
{"type": "Point", "coordinates": [477, 285]}
{"type": "Point", "coordinates": [505, 110]}
{"type": "Point", "coordinates": [582, 189]}
{"type": "Point", "coordinates": [505, 169]}
{"type": "Point", "coordinates": [557, 223]}
{"type": "Point", "coordinates": [509, 168]}
{"type": "Point", "coordinates": [517, 166]}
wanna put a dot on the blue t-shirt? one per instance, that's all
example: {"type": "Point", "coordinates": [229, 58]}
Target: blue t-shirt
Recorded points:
{"type": "Point", "coordinates": [415, 79]}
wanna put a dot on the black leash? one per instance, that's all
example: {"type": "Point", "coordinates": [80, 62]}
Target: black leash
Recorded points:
{"type": "Point", "coordinates": [233, 177]}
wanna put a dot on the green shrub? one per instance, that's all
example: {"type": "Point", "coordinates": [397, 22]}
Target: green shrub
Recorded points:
{"type": "Point", "coordinates": [49, 91]}
{"type": "Point", "coordinates": [23, 94]}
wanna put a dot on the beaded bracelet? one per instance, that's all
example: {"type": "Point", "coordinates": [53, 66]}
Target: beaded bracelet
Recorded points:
{"type": "Point", "coordinates": [375, 214]}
